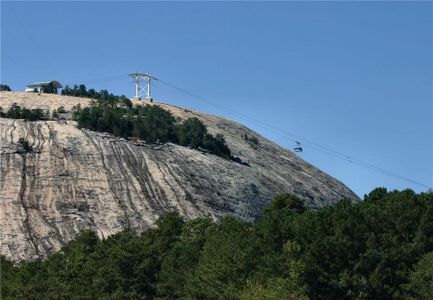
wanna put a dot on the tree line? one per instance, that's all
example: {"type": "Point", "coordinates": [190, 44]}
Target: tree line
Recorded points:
{"type": "Point", "coordinates": [381, 248]}
{"type": "Point", "coordinates": [18, 112]}
{"type": "Point", "coordinates": [151, 123]}
{"type": "Point", "coordinates": [5, 88]}
{"type": "Point", "coordinates": [82, 91]}
{"type": "Point", "coordinates": [116, 115]}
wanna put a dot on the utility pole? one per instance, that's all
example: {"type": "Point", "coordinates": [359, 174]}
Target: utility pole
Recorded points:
{"type": "Point", "coordinates": [146, 77]}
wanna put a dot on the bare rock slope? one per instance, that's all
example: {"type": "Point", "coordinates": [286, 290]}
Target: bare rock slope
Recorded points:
{"type": "Point", "coordinates": [78, 179]}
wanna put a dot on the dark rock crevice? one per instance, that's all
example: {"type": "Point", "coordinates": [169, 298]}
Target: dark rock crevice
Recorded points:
{"type": "Point", "coordinates": [21, 197]}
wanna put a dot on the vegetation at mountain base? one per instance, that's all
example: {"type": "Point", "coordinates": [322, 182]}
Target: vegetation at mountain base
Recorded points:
{"type": "Point", "coordinates": [4, 88]}
{"type": "Point", "coordinates": [381, 248]}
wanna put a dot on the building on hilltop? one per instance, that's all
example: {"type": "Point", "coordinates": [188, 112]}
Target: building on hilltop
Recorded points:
{"type": "Point", "coordinates": [49, 87]}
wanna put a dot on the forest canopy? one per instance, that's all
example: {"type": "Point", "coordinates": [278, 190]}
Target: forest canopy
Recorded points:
{"type": "Point", "coordinates": [380, 248]}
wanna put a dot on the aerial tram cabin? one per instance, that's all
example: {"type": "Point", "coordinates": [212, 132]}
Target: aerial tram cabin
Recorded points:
{"type": "Point", "coordinates": [298, 147]}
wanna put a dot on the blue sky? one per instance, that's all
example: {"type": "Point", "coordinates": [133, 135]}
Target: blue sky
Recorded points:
{"type": "Point", "coordinates": [352, 76]}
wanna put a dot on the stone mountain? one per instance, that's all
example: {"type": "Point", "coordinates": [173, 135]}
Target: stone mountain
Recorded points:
{"type": "Point", "coordinates": [76, 179]}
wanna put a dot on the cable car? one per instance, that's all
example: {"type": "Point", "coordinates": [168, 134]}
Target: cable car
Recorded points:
{"type": "Point", "coordinates": [298, 147]}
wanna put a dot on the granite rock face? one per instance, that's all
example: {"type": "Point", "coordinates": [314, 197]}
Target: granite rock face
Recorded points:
{"type": "Point", "coordinates": [76, 179]}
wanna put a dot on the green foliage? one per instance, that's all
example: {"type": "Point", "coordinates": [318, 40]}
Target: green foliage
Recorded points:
{"type": "Point", "coordinates": [376, 194]}
{"type": "Point", "coordinates": [103, 95]}
{"type": "Point", "coordinates": [272, 289]}
{"type": "Point", "coordinates": [24, 146]}
{"type": "Point", "coordinates": [217, 145]}
{"type": "Point", "coordinates": [5, 88]}
{"type": "Point", "coordinates": [17, 112]}
{"type": "Point", "coordinates": [381, 248]}
{"type": "Point", "coordinates": [151, 123]}
{"type": "Point", "coordinates": [117, 115]}
{"type": "Point", "coordinates": [252, 140]}
{"type": "Point", "coordinates": [194, 134]}
{"type": "Point", "coordinates": [180, 261]}
{"type": "Point", "coordinates": [191, 133]}
{"type": "Point", "coordinates": [421, 279]}
{"type": "Point", "coordinates": [226, 260]}
{"type": "Point", "coordinates": [61, 110]}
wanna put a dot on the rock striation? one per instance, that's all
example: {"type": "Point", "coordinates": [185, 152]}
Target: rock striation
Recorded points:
{"type": "Point", "coordinates": [76, 179]}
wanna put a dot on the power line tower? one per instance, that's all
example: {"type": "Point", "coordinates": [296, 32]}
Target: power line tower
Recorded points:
{"type": "Point", "coordinates": [148, 77]}
{"type": "Point", "coordinates": [138, 88]}
{"type": "Point", "coordinates": [139, 78]}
